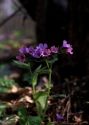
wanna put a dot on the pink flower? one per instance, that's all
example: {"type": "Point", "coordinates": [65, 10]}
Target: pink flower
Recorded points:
{"type": "Point", "coordinates": [46, 53]}
{"type": "Point", "coordinates": [21, 57]}
{"type": "Point", "coordinates": [54, 49]}
{"type": "Point", "coordinates": [68, 47]}
{"type": "Point", "coordinates": [69, 50]}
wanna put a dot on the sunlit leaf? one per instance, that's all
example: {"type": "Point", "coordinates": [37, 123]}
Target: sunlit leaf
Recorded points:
{"type": "Point", "coordinates": [6, 84]}
{"type": "Point", "coordinates": [41, 98]}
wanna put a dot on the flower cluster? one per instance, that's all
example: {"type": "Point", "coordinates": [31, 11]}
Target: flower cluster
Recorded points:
{"type": "Point", "coordinates": [39, 51]}
{"type": "Point", "coordinates": [42, 50]}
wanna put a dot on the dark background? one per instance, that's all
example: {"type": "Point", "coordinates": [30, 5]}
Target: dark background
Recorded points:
{"type": "Point", "coordinates": [59, 20]}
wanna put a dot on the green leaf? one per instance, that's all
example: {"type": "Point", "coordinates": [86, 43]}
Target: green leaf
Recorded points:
{"type": "Point", "coordinates": [22, 65]}
{"type": "Point", "coordinates": [34, 79]}
{"type": "Point", "coordinates": [38, 68]}
{"type": "Point", "coordinates": [35, 74]}
{"type": "Point", "coordinates": [27, 77]}
{"type": "Point", "coordinates": [6, 84]}
{"type": "Point", "coordinates": [23, 117]}
{"type": "Point", "coordinates": [53, 60]}
{"type": "Point", "coordinates": [3, 90]}
{"type": "Point", "coordinates": [44, 71]}
{"type": "Point", "coordinates": [34, 120]}
{"type": "Point", "coordinates": [47, 85]}
{"type": "Point", "coordinates": [41, 70]}
{"type": "Point", "coordinates": [41, 98]}
{"type": "Point", "coordinates": [50, 123]}
{"type": "Point", "coordinates": [2, 109]}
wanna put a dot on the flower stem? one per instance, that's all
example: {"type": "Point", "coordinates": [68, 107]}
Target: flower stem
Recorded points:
{"type": "Point", "coordinates": [48, 89]}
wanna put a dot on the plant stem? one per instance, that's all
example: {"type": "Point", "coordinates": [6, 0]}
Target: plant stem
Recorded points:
{"type": "Point", "coordinates": [49, 85]}
{"type": "Point", "coordinates": [30, 68]}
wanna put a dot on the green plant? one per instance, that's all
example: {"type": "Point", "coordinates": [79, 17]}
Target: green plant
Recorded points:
{"type": "Point", "coordinates": [6, 84]}
{"type": "Point", "coordinates": [44, 58]}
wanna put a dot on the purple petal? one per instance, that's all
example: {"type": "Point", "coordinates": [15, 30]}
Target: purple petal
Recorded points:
{"type": "Point", "coordinates": [40, 51]}
{"type": "Point", "coordinates": [22, 50]}
{"type": "Point", "coordinates": [59, 117]}
{"type": "Point", "coordinates": [68, 47]}
{"type": "Point", "coordinates": [45, 45]}
{"type": "Point", "coordinates": [54, 49]}
{"type": "Point", "coordinates": [69, 50]}
{"type": "Point", "coordinates": [42, 46]}
{"type": "Point", "coordinates": [65, 44]}
{"type": "Point", "coordinates": [30, 50]}
{"type": "Point", "coordinates": [37, 53]}
{"type": "Point", "coordinates": [46, 52]}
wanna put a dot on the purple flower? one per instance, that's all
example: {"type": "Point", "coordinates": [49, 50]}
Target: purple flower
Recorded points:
{"type": "Point", "coordinates": [37, 53]}
{"type": "Point", "coordinates": [23, 50]}
{"type": "Point", "coordinates": [30, 50]}
{"type": "Point", "coordinates": [54, 49]}
{"type": "Point", "coordinates": [68, 47]}
{"type": "Point", "coordinates": [65, 44]}
{"type": "Point", "coordinates": [59, 117]}
{"type": "Point", "coordinates": [41, 51]}
{"type": "Point", "coordinates": [21, 57]}
{"type": "Point", "coordinates": [42, 46]}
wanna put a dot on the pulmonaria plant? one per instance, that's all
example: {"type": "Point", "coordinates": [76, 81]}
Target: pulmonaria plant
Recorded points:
{"type": "Point", "coordinates": [46, 56]}
{"type": "Point", "coordinates": [42, 51]}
